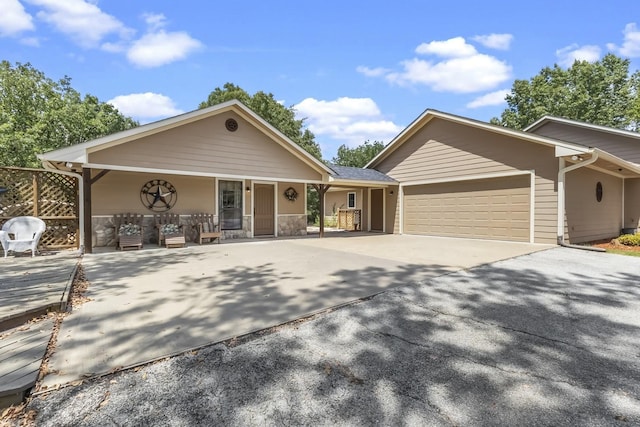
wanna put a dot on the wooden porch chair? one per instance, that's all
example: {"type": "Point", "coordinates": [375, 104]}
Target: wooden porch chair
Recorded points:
{"type": "Point", "coordinates": [129, 230]}
{"type": "Point", "coordinates": [170, 231]}
{"type": "Point", "coordinates": [206, 226]}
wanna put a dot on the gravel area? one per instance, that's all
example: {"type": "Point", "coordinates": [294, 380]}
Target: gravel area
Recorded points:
{"type": "Point", "coordinates": [551, 338]}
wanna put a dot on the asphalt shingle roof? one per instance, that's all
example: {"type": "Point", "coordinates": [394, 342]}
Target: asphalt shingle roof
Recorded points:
{"type": "Point", "coordinates": [359, 174]}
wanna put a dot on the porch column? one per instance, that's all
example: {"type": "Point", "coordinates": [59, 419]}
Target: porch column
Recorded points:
{"type": "Point", "coordinates": [86, 203]}
{"type": "Point", "coordinates": [321, 189]}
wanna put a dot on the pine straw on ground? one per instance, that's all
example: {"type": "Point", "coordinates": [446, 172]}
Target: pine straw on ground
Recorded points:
{"type": "Point", "coordinates": [19, 415]}
{"type": "Point", "coordinates": [615, 245]}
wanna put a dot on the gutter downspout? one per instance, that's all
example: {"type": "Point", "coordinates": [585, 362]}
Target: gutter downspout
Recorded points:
{"type": "Point", "coordinates": [562, 198]}
{"type": "Point", "coordinates": [49, 168]}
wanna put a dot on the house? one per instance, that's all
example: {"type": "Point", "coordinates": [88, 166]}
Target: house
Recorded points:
{"type": "Point", "coordinates": [224, 160]}
{"type": "Point", "coordinates": [559, 181]}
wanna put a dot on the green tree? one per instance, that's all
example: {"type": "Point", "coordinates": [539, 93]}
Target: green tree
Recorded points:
{"type": "Point", "coordinates": [266, 106]}
{"type": "Point", "coordinates": [359, 156]}
{"type": "Point", "coordinates": [602, 93]}
{"type": "Point", "coordinates": [38, 114]}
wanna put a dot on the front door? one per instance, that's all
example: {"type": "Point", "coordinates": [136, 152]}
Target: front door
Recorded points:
{"type": "Point", "coordinates": [377, 205]}
{"type": "Point", "coordinates": [263, 209]}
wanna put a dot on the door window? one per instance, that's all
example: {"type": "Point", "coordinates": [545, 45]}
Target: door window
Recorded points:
{"type": "Point", "coordinates": [230, 194]}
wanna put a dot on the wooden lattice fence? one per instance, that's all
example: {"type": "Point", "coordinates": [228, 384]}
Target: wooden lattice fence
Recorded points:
{"type": "Point", "coordinates": [46, 195]}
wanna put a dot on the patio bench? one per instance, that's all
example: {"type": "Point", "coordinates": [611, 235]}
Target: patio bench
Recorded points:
{"type": "Point", "coordinates": [206, 226]}
{"type": "Point", "coordinates": [170, 231]}
{"type": "Point", "coordinates": [129, 231]}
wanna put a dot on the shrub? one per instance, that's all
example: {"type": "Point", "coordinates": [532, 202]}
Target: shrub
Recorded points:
{"type": "Point", "coordinates": [629, 239]}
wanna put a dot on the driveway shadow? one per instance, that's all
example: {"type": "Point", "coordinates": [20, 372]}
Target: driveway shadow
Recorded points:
{"type": "Point", "coordinates": [550, 338]}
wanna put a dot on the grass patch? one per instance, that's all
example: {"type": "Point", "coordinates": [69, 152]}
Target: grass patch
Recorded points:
{"type": "Point", "coordinates": [623, 252]}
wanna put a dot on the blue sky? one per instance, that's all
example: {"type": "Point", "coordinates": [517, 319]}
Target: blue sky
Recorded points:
{"type": "Point", "coordinates": [354, 70]}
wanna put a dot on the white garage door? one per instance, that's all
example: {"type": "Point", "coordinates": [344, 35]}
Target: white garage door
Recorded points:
{"type": "Point", "coordinates": [496, 208]}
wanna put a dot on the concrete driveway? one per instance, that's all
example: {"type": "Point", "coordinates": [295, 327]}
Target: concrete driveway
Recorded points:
{"type": "Point", "coordinates": [551, 338]}
{"type": "Point", "coordinates": [154, 303]}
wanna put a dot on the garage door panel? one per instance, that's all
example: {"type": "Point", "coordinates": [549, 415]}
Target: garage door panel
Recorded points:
{"type": "Point", "coordinates": [493, 208]}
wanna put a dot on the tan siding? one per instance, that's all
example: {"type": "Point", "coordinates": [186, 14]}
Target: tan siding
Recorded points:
{"type": "Point", "coordinates": [587, 219]}
{"type": "Point", "coordinates": [624, 147]}
{"type": "Point", "coordinates": [206, 146]}
{"type": "Point", "coordinates": [392, 210]}
{"type": "Point", "coordinates": [491, 208]}
{"type": "Point", "coordinates": [334, 200]}
{"type": "Point", "coordinates": [364, 203]}
{"type": "Point", "coordinates": [632, 203]}
{"type": "Point", "coordinates": [247, 197]}
{"type": "Point", "coordinates": [287, 207]}
{"type": "Point", "coordinates": [119, 192]}
{"type": "Point", "coordinates": [338, 200]}
{"type": "Point", "coordinates": [447, 150]}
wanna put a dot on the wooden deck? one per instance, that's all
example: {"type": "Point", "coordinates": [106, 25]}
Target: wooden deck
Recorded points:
{"type": "Point", "coordinates": [29, 287]}
{"type": "Point", "coordinates": [21, 353]}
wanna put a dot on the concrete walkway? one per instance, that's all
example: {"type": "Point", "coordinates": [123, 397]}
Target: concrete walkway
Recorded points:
{"type": "Point", "coordinates": [546, 339]}
{"type": "Point", "coordinates": [154, 303]}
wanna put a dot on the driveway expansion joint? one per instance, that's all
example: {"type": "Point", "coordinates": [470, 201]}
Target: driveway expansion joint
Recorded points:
{"type": "Point", "coordinates": [435, 408]}
{"type": "Point", "coordinates": [508, 328]}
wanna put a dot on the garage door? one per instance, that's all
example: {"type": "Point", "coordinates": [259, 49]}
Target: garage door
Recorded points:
{"type": "Point", "coordinates": [487, 209]}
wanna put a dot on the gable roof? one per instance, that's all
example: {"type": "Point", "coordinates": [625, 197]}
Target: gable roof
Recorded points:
{"type": "Point", "coordinates": [553, 119]}
{"type": "Point", "coordinates": [429, 115]}
{"type": "Point", "coordinates": [79, 153]}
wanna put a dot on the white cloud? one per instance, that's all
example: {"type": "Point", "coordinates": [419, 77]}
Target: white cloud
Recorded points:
{"type": "Point", "coordinates": [147, 105]}
{"type": "Point", "coordinates": [350, 120]}
{"type": "Point", "coordinates": [631, 44]}
{"type": "Point", "coordinates": [81, 20]}
{"type": "Point", "coordinates": [569, 54]}
{"type": "Point", "coordinates": [90, 27]}
{"type": "Point", "coordinates": [453, 48]}
{"type": "Point", "coordinates": [489, 99]}
{"type": "Point", "coordinates": [372, 72]}
{"type": "Point", "coordinates": [30, 41]}
{"type": "Point", "coordinates": [495, 41]}
{"type": "Point", "coordinates": [461, 69]}
{"type": "Point", "coordinates": [459, 75]}
{"type": "Point", "coordinates": [155, 21]}
{"type": "Point", "coordinates": [14, 19]}
{"type": "Point", "coordinates": [160, 48]}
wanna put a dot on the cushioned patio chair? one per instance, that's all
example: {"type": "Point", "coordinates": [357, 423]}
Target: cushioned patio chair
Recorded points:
{"type": "Point", "coordinates": [129, 231]}
{"type": "Point", "coordinates": [21, 234]}
{"type": "Point", "coordinates": [206, 226]}
{"type": "Point", "coordinates": [170, 231]}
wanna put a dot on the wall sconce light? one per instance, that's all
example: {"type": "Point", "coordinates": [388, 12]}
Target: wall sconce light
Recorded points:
{"type": "Point", "coordinates": [69, 165]}
{"type": "Point", "coordinates": [391, 193]}
{"type": "Point", "coordinates": [248, 189]}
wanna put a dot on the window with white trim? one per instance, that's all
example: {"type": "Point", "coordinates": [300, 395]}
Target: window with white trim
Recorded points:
{"type": "Point", "coordinates": [351, 200]}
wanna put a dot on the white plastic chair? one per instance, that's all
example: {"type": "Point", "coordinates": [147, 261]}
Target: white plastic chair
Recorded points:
{"type": "Point", "coordinates": [21, 234]}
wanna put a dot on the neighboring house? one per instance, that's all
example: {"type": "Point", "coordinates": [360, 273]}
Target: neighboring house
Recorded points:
{"type": "Point", "coordinates": [561, 181]}
{"type": "Point", "coordinates": [444, 175]}
{"type": "Point", "coordinates": [224, 159]}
